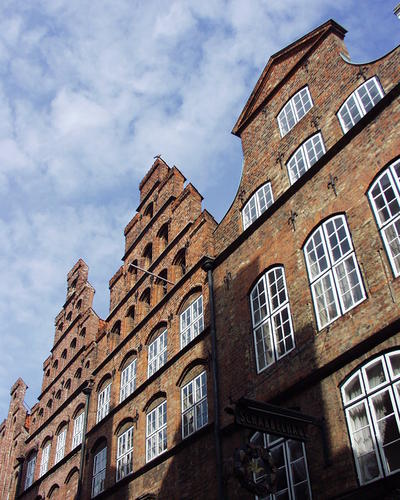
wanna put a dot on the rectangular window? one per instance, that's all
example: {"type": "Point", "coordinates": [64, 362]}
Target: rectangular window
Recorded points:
{"type": "Point", "coordinates": [191, 321]}
{"type": "Point", "coordinates": [60, 448]}
{"type": "Point", "coordinates": [294, 110]}
{"type": "Point", "coordinates": [30, 472]}
{"type": "Point", "coordinates": [99, 472]}
{"type": "Point", "coordinates": [305, 157]}
{"type": "Point", "coordinates": [128, 380]}
{"type": "Point", "coordinates": [44, 463]}
{"type": "Point", "coordinates": [157, 353]}
{"type": "Point", "coordinates": [78, 430]}
{"type": "Point", "coordinates": [125, 454]}
{"type": "Point", "coordinates": [103, 404]}
{"type": "Point", "coordinates": [194, 405]}
{"type": "Point", "coordinates": [357, 105]}
{"type": "Point", "coordinates": [156, 431]}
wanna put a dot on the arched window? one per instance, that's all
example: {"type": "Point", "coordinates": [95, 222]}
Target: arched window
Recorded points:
{"type": "Point", "coordinates": [271, 318]}
{"type": "Point", "coordinates": [49, 403]}
{"type": "Point", "coordinates": [60, 326]}
{"type": "Point", "coordinates": [128, 377]}
{"type": "Point", "coordinates": [194, 405]}
{"type": "Point", "coordinates": [82, 333]}
{"type": "Point", "coordinates": [145, 297]}
{"type": "Point", "coordinates": [55, 365]}
{"type": "Point", "coordinates": [58, 394]}
{"type": "Point", "coordinates": [371, 398]}
{"type": "Point", "coordinates": [73, 343]}
{"type": "Point", "coordinates": [78, 373]}
{"type": "Point", "coordinates": [294, 110]}
{"type": "Point", "coordinates": [362, 100]}
{"type": "Point", "coordinates": [333, 270]}
{"type": "Point", "coordinates": [157, 350]}
{"type": "Point", "coordinates": [384, 195]}
{"type": "Point", "coordinates": [99, 469]}
{"type": "Point", "coordinates": [289, 457]}
{"type": "Point", "coordinates": [67, 384]}
{"type": "Point", "coordinates": [179, 264]}
{"type": "Point", "coordinates": [64, 354]}
{"type": "Point", "coordinates": [305, 156]}
{"type": "Point", "coordinates": [79, 304]}
{"type": "Point", "coordinates": [30, 470]}
{"type": "Point", "coordinates": [148, 213]}
{"type": "Point", "coordinates": [132, 270]}
{"type": "Point", "coordinates": [124, 451]}
{"type": "Point", "coordinates": [44, 461]}
{"type": "Point", "coordinates": [163, 236]}
{"type": "Point", "coordinates": [60, 447]}
{"type": "Point", "coordinates": [257, 204]}
{"type": "Point", "coordinates": [156, 431]}
{"type": "Point", "coordinates": [116, 329]}
{"type": "Point", "coordinates": [148, 255]}
{"type": "Point", "coordinates": [77, 433]}
{"type": "Point", "coordinates": [103, 399]}
{"type": "Point", "coordinates": [191, 321]}
{"type": "Point", "coordinates": [69, 316]}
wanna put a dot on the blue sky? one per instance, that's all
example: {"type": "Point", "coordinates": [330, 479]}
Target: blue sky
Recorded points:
{"type": "Point", "coordinates": [90, 92]}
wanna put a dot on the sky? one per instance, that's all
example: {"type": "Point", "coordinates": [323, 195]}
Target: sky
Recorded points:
{"type": "Point", "coordinates": [90, 92]}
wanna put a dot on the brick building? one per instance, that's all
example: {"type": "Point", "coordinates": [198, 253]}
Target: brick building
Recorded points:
{"type": "Point", "coordinates": [282, 317]}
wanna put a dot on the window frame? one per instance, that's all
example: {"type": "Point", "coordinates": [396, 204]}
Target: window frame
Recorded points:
{"type": "Point", "coordinates": [158, 434]}
{"type": "Point", "coordinates": [124, 454]}
{"type": "Point", "coordinates": [99, 476]}
{"type": "Point", "coordinates": [331, 270]}
{"type": "Point", "coordinates": [305, 156]}
{"type": "Point", "coordinates": [61, 443]}
{"type": "Point", "coordinates": [103, 402]}
{"type": "Point", "coordinates": [254, 203]}
{"type": "Point", "coordinates": [77, 434]}
{"type": "Point", "coordinates": [194, 322]}
{"type": "Point", "coordinates": [392, 219]}
{"type": "Point", "coordinates": [30, 471]}
{"type": "Point", "coordinates": [198, 405]}
{"type": "Point", "coordinates": [361, 110]}
{"type": "Point", "coordinates": [45, 459]}
{"type": "Point", "coordinates": [290, 105]}
{"type": "Point", "coordinates": [157, 360]}
{"type": "Point", "coordinates": [128, 386]}
{"type": "Point", "coordinates": [271, 312]}
{"type": "Point", "coordinates": [390, 385]}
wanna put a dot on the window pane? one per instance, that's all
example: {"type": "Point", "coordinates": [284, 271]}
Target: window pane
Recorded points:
{"type": "Point", "coordinates": [392, 240]}
{"type": "Point", "coordinates": [263, 346]}
{"type": "Point", "coordinates": [325, 300]}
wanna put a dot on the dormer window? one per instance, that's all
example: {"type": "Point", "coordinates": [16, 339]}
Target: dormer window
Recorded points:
{"type": "Point", "coordinates": [362, 100]}
{"type": "Point", "coordinates": [257, 204]}
{"type": "Point", "coordinates": [305, 156]}
{"type": "Point", "coordinates": [294, 110]}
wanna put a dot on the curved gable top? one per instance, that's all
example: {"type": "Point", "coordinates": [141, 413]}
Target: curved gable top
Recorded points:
{"type": "Point", "coordinates": [279, 66]}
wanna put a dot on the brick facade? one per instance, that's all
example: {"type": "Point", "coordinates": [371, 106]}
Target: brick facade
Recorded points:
{"type": "Point", "coordinates": [166, 270]}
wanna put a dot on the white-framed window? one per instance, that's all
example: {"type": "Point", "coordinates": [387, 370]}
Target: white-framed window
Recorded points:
{"type": "Point", "coordinates": [99, 472]}
{"type": "Point", "coordinates": [384, 195]}
{"type": "Point", "coordinates": [371, 399]}
{"type": "Point", "coordinates": [271, 318]}
{"type": "Point", "coordinates": [257, 204]}
{"type": "Point", "coordinates": [60, 447]}
{"type": "Point", "coordinates": [157, 353]}
{"type": "Point", "coordinates": [77, 434]}
{"type": "Point", "coordinates": [44, 462]}
{"type": "Point", "coordinates": [125, 454]}
{"type": "Point", "coordinates": [128, 380]}
{"type": "Point", "coordinates": [30, 471]}
{"type": "Point", "coordinates": [156, 431]}
{"type": "Point", "coordinates": [191, 321]}
{"type": "Point", "coordinates": [289, 457]}
{"type": "Point", "coordinates": [305, 156]}
{"type": "Point", "coordinates": [362, 100]}
{"type": "Point", "coordinates": [294, 110]}
{"type": "Point", "coordinates": [103, 402]}
{"type": "Point", "coordinates": [194, 405]}
{"type": "Point", "coordinates": [333, 271]}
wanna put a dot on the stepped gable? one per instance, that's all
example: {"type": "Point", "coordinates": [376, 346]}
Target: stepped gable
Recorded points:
{"type": "Point", "coordinates": [279, 66]}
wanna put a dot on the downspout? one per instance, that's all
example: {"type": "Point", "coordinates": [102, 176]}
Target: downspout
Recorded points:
{"type": "Point", "coordinates": [208, 267]}
{"type": "Point", "coordinates": [86, 391]}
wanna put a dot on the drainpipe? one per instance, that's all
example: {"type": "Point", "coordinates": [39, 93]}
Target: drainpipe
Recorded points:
{"type": "Point", "coordinates": [208, 267]}
{"type": "Point", "coordinates": [86, 391]}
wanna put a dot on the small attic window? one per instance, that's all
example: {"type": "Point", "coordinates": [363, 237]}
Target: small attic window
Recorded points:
{"type": "Point", "coordinates": [78, 373]}
{"type": "Point", "coordinates": [73, 284]}
{"type": "Point", "coordinates": [79, 304]}
{"type": "Point", "coordinates": [116, 329]}
{"type": "Point", "coordinates": [69, 316]}
{"type": "Point", "coordinates": [41, 412]}
{"type": "Point", "coordinates": [145, 297]}
{"type": "Point", "coordinates": [64, 354]}
{"type": "Point", "coordinates": [82, 333]}
{"type": "Point", "coordinates": [68, 384]}
{"type": "Point", "coordinates": [60, 326]}
{"type": "Point", "coordinates": [49, 403]}
{"type": "Point", "coordinates": [148, 255]}
{"type": "Point", "coordinates": [73, 343]}
{"type": "Point", "coordinates": [55, 364]}
{"type": "Point", "coordinates": [87, 365]}
{"type": "Point", "coordinates": [294, 110]}
{"type": "Point", "coordinates": [48, 373]}
{"type": "Point", "coordinates": [163, 236]}
{"type": "Point", "coordinates": [180, 263]}
{"type": "Point", "coordinates": [148, 213]}
{"type": "Point", "coordinates": [131, 312]}
{"type": "Point", "coordinates": [58, 394]}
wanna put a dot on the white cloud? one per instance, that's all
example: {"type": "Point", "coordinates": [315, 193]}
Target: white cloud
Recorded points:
{"type": "Point", "coordinates": [89, 93]}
